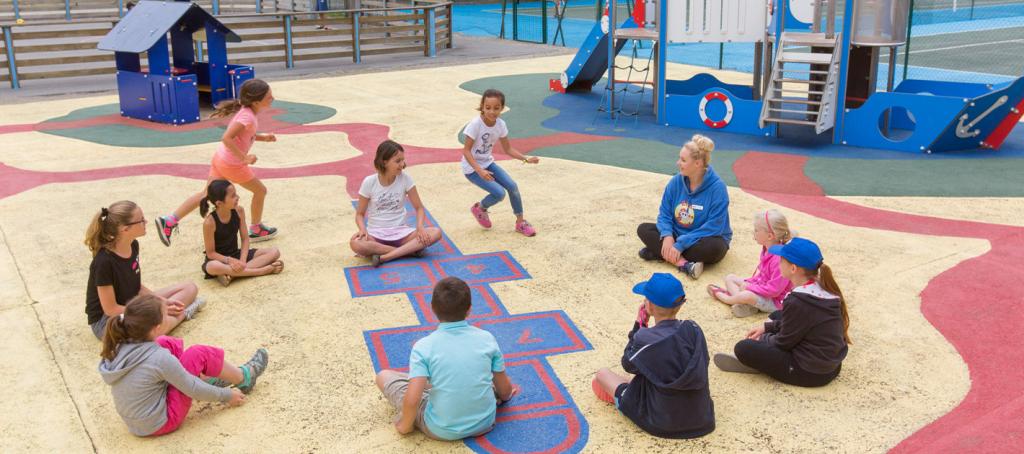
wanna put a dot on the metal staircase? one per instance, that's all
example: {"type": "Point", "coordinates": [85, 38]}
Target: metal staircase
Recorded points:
{"type": "Point", "coordinates": [802, 89]}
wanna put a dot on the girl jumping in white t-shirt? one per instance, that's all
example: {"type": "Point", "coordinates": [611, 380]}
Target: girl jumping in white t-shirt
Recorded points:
{"type": "Point", "coordinates": [479, 167]}
{"type": "Point", "coordinates": [380, 216]}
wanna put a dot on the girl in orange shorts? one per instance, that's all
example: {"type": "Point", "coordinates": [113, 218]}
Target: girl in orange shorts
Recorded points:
{"type": "Point", "coordinates": [232, 160]}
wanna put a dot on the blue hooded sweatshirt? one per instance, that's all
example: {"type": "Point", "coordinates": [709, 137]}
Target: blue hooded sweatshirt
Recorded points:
{"type": "Point", "coordinates": [689, 216]}
{"type": "Point", "coordinates": [669, 395]}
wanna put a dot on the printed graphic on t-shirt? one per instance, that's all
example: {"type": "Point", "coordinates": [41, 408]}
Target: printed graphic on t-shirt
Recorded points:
{"type": "Point", "coordinates": [684, 214]}
{"type": "Point", "coordinates": [135, 266]}
{"type": "Point", "coordinates": [388, 202]}
{"type": "Point", "coordinates": [485, 146]}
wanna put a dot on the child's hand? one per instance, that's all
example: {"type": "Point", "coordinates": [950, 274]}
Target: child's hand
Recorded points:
{"type": "Point", "coordinates": [532, 160]}
{"type": "Point", "coordinates": [361, 235]}
{"type": "Point", "coordinates": [756, 333]}
{"type": "Point", "coordinates": [174, 308]}
{"type": "Point", "coordinates": [642, 317]}
{"type": "Point", "coordinates": [237, 398]}
{"type": "Point", "coordinates": [269, 137]}
{"type": "Point", "coordinates": [236, 265]}
{"type": "Point", "coordinates": [403, 429]}
{"type": "Point", "coordinates": [485, 174]}
{"type": "Point", "coordinates": [511, 395]}
{"type": "Point", "coordinates": [422, 236]}
{"type": "Point", "coordinates": [250, 159]}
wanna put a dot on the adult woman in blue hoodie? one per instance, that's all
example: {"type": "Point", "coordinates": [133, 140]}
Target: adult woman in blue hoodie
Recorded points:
{"type": "Point", "coordinates": [693, 222]}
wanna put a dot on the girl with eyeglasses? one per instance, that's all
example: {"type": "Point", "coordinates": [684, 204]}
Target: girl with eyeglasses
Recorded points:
{"type": "Point", "coordinates": [115, 276]}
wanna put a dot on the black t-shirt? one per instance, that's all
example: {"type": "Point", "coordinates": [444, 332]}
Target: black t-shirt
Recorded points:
{"type": "Point", "coordinates": [108, 268]}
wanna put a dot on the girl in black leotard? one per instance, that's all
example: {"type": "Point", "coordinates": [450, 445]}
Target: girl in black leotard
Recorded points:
{"type": "Point", "coordinates": [222, 229]}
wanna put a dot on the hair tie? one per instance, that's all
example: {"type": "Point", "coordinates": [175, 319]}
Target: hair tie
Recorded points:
{"type": "Point", "coordinates": [104, 212]}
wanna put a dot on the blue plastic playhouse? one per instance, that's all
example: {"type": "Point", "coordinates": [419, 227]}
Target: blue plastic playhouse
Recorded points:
{"type": "Point", "coordinates": [817, 68]}
{"type": "Point", "coordinates": [170, 89]}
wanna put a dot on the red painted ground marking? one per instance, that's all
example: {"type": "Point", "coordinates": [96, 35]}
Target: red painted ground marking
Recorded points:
{"type": "Point", "coordinates": [476, 269]}
{"type": "Point", "coordinates": [526, 339]}
{"type": "Point", "coordinates": [391, 278]}
{"type": "Point", "coordinates": [976, 305]}
{"type": "Point", "coordinates": [363, 136]}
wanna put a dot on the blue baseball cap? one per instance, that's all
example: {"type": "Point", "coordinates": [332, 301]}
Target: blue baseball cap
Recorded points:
{"type": "Point", "coordinates": [800, 252]}
{"type": "Point", "coordinates": [662, 289]}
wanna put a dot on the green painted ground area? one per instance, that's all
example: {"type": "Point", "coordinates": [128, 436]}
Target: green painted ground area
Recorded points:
{"type": "Point", "coordinates": [122, 135]}
{"type": "Point", "coordinates": [524, 100]}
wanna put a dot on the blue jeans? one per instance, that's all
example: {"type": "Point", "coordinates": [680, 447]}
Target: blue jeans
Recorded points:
{"type": "Point", "coordinates": [496, 189]}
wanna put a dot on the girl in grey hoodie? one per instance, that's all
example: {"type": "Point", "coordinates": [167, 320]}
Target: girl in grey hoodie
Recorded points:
{"type": "Point", "coordinates": [154, 378]}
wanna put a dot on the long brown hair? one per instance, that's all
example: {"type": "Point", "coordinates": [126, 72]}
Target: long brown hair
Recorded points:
{"type": "Point", "coordinates": [827, 282]}
{"type": "Point", "coordinates": [102, 231]}
{"type": "Point", "coordinates": [385, 151]}
{"type": "Point", "coordinates": [252, 91]}
{"type": "Point", "coordinates": [140, 316]}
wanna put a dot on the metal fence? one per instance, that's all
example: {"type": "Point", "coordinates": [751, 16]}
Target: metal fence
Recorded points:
{"type": "Point", "coordinates": [57, 49]}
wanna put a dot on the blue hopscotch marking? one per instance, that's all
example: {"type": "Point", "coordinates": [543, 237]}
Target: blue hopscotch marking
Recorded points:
{"type": "Point", "coordinates": [543, 417]}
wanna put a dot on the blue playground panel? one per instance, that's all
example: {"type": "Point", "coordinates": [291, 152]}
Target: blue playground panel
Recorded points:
{"type": "Point", "coordinates": [543, 417]}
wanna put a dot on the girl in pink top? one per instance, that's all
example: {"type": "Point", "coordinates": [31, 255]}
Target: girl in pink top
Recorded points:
{"type": "Point", "coordinates": [232, 160]}
{"type": "Point", "coordinates": [764, 291]}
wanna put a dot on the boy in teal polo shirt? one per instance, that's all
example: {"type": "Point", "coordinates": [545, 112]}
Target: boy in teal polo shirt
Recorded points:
{"type": "Point", "coordinates": [456, 374]}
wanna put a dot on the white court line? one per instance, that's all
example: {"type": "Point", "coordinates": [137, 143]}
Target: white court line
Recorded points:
{"type": "Point", "coordinates": [962, 46]}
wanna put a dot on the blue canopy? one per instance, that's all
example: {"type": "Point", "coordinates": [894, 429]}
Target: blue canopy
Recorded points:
{"type": "Point", "coordinates": [150, 20]}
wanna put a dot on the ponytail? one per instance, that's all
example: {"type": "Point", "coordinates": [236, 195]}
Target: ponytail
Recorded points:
{"type": "Point", "coordinates": [140, 316]}
{"type": "Point", "coordinates": [216, 191]}
{"type": "Point", "coordinates": [102, 230]}
{"type": "Point", "coordinates": [226, 108]}
{"type": "Point", "coordinates": [827, 282]}
{"type": "Point", "coordinates": [251, 91]}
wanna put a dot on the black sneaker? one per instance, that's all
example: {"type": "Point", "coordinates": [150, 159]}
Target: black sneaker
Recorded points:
{"type": "Point", "coordinates": [262, 233]}
{"type": "Point", "coordinates": [256, 365]}
{"type": "Point", "coordinates": [164, 231]}
{"type": "Point", "coordinates": [647, 255]}
{"type": "Point", "coordinates": [692, 269]}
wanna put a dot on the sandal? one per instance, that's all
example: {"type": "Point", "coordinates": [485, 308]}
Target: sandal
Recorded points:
{"type": "Point", "coordinates": [224, 279]}
{"type": "Point", "coordinates": [714, 290]}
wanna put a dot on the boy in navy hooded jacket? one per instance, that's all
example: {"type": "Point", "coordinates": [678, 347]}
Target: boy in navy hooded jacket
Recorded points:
{"type": "Point", "coordinates": [669, 396]}
{"type": "Point", "coordinates": [693, 219]}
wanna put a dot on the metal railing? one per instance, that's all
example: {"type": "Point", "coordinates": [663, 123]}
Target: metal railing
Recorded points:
{"type": "Point", "coordinates": [57, 49]}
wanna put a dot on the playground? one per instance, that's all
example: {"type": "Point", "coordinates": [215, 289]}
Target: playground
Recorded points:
{"type": "Point", "coordinates": [921, 243]}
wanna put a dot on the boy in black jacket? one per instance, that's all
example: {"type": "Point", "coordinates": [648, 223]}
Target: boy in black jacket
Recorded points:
{"type": "Point", "coordinates": [668, 396]}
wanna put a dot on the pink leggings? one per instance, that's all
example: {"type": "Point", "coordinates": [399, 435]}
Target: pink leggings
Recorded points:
{"type": "Point", "coordinates": [198, 359]}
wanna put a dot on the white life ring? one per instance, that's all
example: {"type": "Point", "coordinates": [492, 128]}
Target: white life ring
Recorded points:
{"type": "Point", "coordinates": [728, 110]}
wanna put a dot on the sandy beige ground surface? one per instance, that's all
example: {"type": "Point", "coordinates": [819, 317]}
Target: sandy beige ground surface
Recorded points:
{"type": "Point", "coordinates": [318, 392]}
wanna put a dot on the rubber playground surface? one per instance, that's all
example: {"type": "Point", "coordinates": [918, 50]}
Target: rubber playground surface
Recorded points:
{"type": "Point", "coordinates": [925, 247]}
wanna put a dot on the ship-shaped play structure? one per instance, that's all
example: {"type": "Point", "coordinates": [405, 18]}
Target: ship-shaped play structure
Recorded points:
{"type": "Point", "coordinates": [810, 70]}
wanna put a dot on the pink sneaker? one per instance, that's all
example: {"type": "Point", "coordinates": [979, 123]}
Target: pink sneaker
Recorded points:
{"type": "Point", "coordinates": [525, 228]}
{"type": "Point", "coordinates": [481, 215]}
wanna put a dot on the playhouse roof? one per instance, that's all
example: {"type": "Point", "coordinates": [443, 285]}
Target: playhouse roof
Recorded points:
{"type": "Point", "coordinates": [149, 20]}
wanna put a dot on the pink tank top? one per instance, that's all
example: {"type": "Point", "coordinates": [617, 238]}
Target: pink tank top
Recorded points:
{"type": "Point", "coordinates": [243, 140]}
